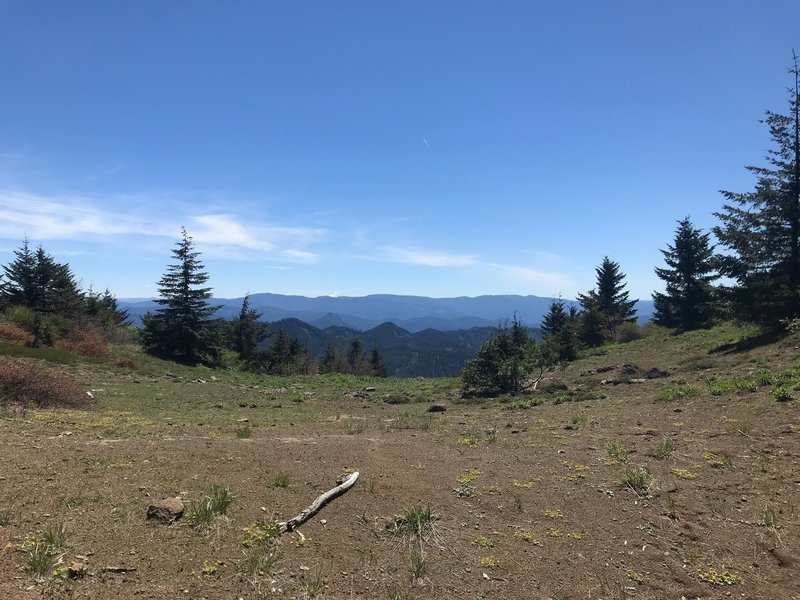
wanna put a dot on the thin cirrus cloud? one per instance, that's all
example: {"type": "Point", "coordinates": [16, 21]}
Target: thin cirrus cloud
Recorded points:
{"type": "Point", "coordinates": [427, 258]}
{"type": "Point", "coordinates": [55, 218]}
{"type": "Point", "coordinates": [543, 282]}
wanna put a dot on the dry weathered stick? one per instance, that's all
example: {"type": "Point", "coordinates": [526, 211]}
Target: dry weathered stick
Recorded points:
{"type": "Point", "coordinates": [321, 501]}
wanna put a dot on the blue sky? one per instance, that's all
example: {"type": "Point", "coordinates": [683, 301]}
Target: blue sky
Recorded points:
{"type": "Point", "coordinates": [430, 148]}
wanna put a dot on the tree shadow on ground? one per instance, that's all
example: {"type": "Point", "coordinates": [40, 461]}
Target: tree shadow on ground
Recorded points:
{"type": "Point", "coordinates": [765, 338]}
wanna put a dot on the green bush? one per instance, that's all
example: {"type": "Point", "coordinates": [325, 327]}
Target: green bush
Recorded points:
{"type": "Point", "coordinates": [504, 363]}
{"type": "Point", "coordinates": [628, 332]}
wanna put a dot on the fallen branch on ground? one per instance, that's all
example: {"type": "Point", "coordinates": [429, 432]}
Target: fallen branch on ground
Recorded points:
{"type": "Point", "coordinates": [321, 501]}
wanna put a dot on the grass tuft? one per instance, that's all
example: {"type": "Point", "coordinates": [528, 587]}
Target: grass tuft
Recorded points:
{"type": "Point", "coordinates": [637, 479]}
{"type": "Point", "coordinates": [416, 522]}
{"type": "Point", "coordinates": [618, 453]}
{"type": "Point", "coordinates": [665, 448]}
{"type": "Point", "coordinates": [214, 504]}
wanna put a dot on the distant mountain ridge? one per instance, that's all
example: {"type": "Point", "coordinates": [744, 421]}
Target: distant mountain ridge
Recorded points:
{"type": "Point", "coordinates": [412, 313]}
{"type": "Point", "coordinates": [427, 353]}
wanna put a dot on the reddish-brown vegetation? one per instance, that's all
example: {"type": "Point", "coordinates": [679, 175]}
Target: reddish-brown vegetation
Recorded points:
{"type": "Point", "coordinates": [24, 383]}
{"type": "Point", "coordinates": [128, 363]}
{"type": "Point", "coordinates": [86, 342]}
{"type": "Point", "coordinates": [14, 333]}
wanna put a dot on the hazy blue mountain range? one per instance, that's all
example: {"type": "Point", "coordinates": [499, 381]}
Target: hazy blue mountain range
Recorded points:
{"type": "Point", "coordinates": [427, 353]}
{"type": "Point", "coordinates": [412, 313]}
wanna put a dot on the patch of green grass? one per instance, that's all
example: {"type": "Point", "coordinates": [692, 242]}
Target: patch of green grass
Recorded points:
{"type": "Point", "coordinates": [259, 563]}
{"type": "Point", "coordinates": [417, 521]}
{"type": "Point", "coordinates": [214, 504]}
{"type": "Point", "coordinates": [677, 392]}
{"type": "Point", "coordinates": [44, 553]}
{"type": "Point", "coordinates": [672, 508]}
{"type": "Point", "coordinates": [353, 428]}
{"type": "Point", "coordinates": [417, 563]}
{"type": "Point", "coordinates": [720, 387]}
{"type": "Point", "coordinates": [579, 419]}
{"type": "Point", "coordinates": [762, 460]}
{"type": "Point", "coordinates": [783, 393]}
{"type": "Point", "coordinates": [665, 447]}
{"type": "Point", "coordinates": [41, 559]}
{"type": "Point", "coordinates": [637, 479]}
{"type": "Point", "coordinates": [618, 453]}
{"type": "Point", "coordinates": [769, 518]}
{"type": "Point", "coordinates": [244, 432]}
{"type": "Point", "coordinates": [578, 396]}
{"type": "Point", "coordinates": [313, 583]}
{"type": "Point", "coordinates": [722, 460]}
{"type": "Point", "coordinates": [53, 355]}
{"type": "Point", "coordinates": [54, 536]}
{"type": "Point", "coordinates": [524, 404]}
{"type": "Point", "coordinates": [465, 490]}
{"type": "Point", "coordinates": [281, 480]}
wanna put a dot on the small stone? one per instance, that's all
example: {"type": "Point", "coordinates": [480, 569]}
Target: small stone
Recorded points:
{"type": "Point", "coordinates": [77, 569]}
{"type": "Point", "coordinates": [656, 373]}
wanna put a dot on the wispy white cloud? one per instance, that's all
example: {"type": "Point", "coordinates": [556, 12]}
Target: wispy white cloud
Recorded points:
{"type": "Point", "coordinates": [428, 258]}
{"type": "Point", "coordinates": [222, 234]}
{"type": "Point", "coordinates": [541, 282]}
{"type": "Point", "coordinates": [224, 230]}
{"type": "Point", "coordinates": [59, 218]}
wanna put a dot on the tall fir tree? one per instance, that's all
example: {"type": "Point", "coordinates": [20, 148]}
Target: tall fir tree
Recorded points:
{"type": "Point", "coordinates": [607, 306]}
{"type": "Point", "coordinates": [332, 361]}
{"type": "Point", "coordinates": [379, 368]}
{"type": "Point", "coordinates": [34, 279]}
{"type": "Point", "coordinates": [181, 330]}
{"type": "Point", "coordinates": [102, 310]}
{"type": "Point", "coordinates": [357, 363]}
{"type": "Point", "coordinates": [688, 299]}
{"type": "Point", "coordinates": [762, 227]}
{"type": "Point", "coordinates": [560, 333]}
{"type": "Point", "coordinates": [248, 331]}
{"type": "Point", "coordinates": [19, 287]}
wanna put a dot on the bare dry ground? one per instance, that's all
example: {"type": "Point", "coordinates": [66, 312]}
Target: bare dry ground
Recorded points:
{"type": "Point", "coordinates": [528, 502]}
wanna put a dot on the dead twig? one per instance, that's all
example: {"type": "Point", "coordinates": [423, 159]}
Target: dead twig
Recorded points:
{"type": "Point", "coordinates": [341, 488]}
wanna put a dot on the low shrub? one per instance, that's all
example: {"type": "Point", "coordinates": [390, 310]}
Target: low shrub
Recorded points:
{"type": "Point", "coordinates": [26, 384]}
{"type": "Point", "coordinates": [127, 363]}
{"type": "Point", "coordinates": [628, 332]}
{"type": "Point", "coordinates": [15, 333]}
{"type": "Point", "coordinates": [86, 342]}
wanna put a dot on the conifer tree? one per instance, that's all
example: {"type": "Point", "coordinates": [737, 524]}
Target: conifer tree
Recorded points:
{"type": "Point", "coordinates": [102, 310]}
{"type": "Point", "coordinates": [248, 331]}
{"type": "Point", "coordinates": [504, 362]}
{"type": "Point", "coordinates": [379, 368]}
{"type": "Point", "coordinates": [35, 280]}
{"type": "Point", "coordinates": [356, 359]}
{"type": "Point", "coordinates": [331, 361]}
{"type": "Point", "coordinates": [181, 330]}
{"type": "Point", "coordinates": [762, 227]}
{"type": "Point", "coordinates": [607, 306]}
{"type": "Point", "coordinates": [687, 301]}
{"type": "Point", "coordinates": [19, 288]}
{"type": "Point", "coordinates": [559, 330]}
